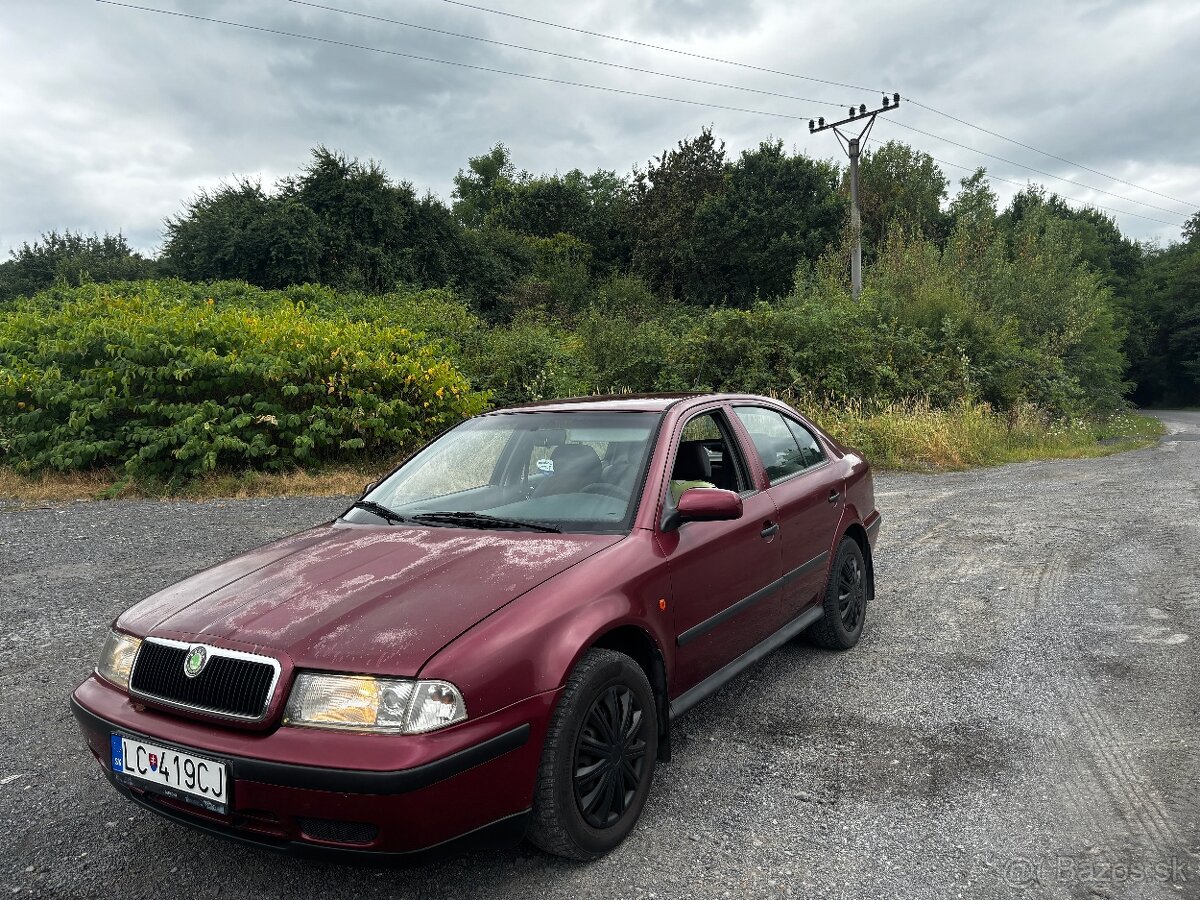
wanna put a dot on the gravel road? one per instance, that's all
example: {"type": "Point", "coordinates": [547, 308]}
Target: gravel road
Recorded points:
{"type": "Point", "coordinates": [1020, 719]}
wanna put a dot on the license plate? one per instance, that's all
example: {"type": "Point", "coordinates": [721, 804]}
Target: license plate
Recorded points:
{"type": "Point", "coordinates": [171, 772]}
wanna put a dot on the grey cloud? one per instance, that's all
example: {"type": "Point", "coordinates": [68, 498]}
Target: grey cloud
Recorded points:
{"type": "Point", "coordinates": [113, 117]}
{"type": "Point", "coordinates": [684, 18]}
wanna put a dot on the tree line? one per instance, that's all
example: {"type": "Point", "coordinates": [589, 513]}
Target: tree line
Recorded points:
{"type": "Point", "coordinates": [1035, 302]}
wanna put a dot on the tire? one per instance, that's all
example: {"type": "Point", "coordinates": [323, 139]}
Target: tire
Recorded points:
{"type": "Point", "coordinates": [575, 814]}
{"type": "Point", "coordinates": [847, 596]}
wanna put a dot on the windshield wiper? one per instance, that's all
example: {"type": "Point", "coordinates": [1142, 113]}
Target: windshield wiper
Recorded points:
{"type": "Point", "coordinates": [479, 520]}
{"type": "Point", "coordinates": [388, 515]}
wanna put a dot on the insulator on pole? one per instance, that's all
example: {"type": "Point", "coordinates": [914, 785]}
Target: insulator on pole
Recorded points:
{"type": "Point", "coordinates": [852, 145]}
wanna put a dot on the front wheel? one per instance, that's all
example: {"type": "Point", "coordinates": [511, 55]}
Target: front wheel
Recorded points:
{"type": "Point", "coordinates": [846, 596]}
{"type": "Point", "coordinates": [598, 759]}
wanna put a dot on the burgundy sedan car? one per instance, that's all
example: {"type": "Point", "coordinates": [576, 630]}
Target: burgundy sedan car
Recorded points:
{"type": "Point", "coordinates": [491, 643]}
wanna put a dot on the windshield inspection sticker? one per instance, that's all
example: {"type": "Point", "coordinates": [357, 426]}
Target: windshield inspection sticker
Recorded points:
{"type": "Point", "coordinates": [545, 465]}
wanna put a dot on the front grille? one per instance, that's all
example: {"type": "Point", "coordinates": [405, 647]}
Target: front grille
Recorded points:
{"type": "Point", "coordinates": [230, 684]}
{"type": "Point", "coordinates": [340, 832]}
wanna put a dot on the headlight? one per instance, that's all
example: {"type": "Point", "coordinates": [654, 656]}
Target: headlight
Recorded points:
{"type": "Point", "coordinates": [116, 659]}
{"type": "Point", "coordinates": [364, 703]}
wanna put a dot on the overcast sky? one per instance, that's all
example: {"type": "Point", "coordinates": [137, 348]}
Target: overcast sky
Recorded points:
{"type": "Point", "coordinates": [110, 117]}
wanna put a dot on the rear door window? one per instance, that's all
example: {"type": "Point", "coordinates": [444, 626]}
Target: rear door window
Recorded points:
{"type": "Point", "coordinates": [810, 448]}
{"type": "Point", "coordinates": [773, 440]}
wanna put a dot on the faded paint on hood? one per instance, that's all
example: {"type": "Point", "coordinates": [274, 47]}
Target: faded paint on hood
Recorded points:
{"type": "Point", "coordinates": [360, 599]}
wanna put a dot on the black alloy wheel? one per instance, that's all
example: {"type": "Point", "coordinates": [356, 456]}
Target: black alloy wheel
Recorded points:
{"type": "Point", "coordinates": [847, 596]}
{"type": "Point", "coordinates": [610, 757]}
{"type": "Point", "coordinates": [598, 758]}
{"type": "Point", "coordinates": [852, 595]}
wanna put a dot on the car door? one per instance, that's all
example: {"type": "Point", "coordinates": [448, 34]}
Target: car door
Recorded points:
{"type": "Point", "coordinates": [806, 487]}
{"type": "Point", "coordinates": [724, 575]}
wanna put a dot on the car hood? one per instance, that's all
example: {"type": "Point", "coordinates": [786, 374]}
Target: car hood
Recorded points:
{"type": "Point", "coordinates": [359, 599]}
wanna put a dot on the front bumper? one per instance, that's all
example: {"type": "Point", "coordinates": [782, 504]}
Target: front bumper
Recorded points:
{"type": "Point", "coordinates": [314, 792]}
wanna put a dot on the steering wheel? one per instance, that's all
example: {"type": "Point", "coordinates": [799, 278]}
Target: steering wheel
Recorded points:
{"type": "Point", "coordinates": [606, 489]}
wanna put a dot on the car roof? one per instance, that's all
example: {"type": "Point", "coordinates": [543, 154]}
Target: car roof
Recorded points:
{"type": "Point", "coordinates": [620, 402]}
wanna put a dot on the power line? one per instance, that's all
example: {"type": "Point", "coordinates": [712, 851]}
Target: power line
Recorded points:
{"type": "Point", "coordinates": [625, 40]}
{"type": "Point", "coordinates": [1024, 184]}
{"type": "Point", "coordinates": [1050, 155]}
{"type": "Point", "coordinates": [449, 62]}
{"type": "Point", "coordinates": [592, 61]}
{"type": "Point", "coordinates": [583, 59]}
{"type": "Point", "coordinates": [729, 62]}
{"type": "Point", "coordinates": [1011, 162]}
{"type": "Point", "coordinates": [1084, 203]}
{"type": "Point", "coordinates": [595, 87]}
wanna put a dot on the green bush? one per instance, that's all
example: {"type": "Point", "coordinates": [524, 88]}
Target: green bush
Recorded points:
{"type": "Point", "coordinates": [436, 313]}
{"type": "Point", "coordinates": [1031, 321]}
{"type": "Point", "coordinates": [527, 361]}
{"type": "Point", "coordinates": [810, 344]}
{"type": "Point", "coordinates": [171, 380]}
{"type": "Point", "coordinates": [623, 355]}
{"type": "Point", "coordinates": [70, 258]}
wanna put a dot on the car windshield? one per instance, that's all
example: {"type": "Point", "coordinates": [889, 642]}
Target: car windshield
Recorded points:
{"type": "Point", "coordinates": [567, 471]}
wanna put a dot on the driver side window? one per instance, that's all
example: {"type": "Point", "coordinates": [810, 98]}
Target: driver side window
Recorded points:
{"type": "Point", "coordinates": [703, 457]}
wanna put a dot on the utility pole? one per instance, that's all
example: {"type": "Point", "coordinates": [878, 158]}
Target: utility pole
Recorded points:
{"type": "Point", "coordinates": [852, 145]}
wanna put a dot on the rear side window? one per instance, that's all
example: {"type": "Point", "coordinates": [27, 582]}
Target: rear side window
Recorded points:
{"type": "Point", "coordinates": [783, 444]}
{"type": "Point", "coordinates": [810, 449]}
{"type": "Point", "coordinates": [773, 440]}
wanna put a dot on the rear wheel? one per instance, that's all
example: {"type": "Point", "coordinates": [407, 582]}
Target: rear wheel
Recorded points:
{"type": "Point", "coordinates": [845, 607]}
{"type": "Point", "coordinates": [598, 759]}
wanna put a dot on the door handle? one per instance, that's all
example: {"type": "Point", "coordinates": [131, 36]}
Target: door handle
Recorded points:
{"type": "Point", "coordinates": [833, 496]}
{"type": "Point", "coordinates": [770, 529]}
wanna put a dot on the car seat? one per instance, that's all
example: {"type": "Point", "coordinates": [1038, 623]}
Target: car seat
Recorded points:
{"type": "Point", "coordinates": [619, 463]}
{"type": "Point", "coordinates": [574, 467]}
{"type": "Point", "coordinates": [692, 469]}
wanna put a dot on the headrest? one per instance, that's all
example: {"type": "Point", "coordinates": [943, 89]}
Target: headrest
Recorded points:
{"type": "Point", "coordinates": [621, 452]}
{"type": "Point", "coordinates": [692, 463]}
{"type": "Point", "coordinates": [577, 460]}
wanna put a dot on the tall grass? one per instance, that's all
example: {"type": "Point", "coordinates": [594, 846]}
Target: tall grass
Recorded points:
{"type": "Point", "coordinates": [915, 435]}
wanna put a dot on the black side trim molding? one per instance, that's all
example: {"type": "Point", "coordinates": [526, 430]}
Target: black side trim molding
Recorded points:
{"type": "Point", "coordinates": [703, 628]}
{"type": "Point", "coordinates": [350, 781]}
{"type": "Point", "coordinates": [874, 526]}
{"type": "Point", "coordinates": [717, 679]}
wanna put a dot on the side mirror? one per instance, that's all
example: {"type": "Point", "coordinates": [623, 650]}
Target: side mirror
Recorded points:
{"type": "Point", "coordinates": [370, 487]}
{"type": "Point", "coordinates": [708, 505]}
